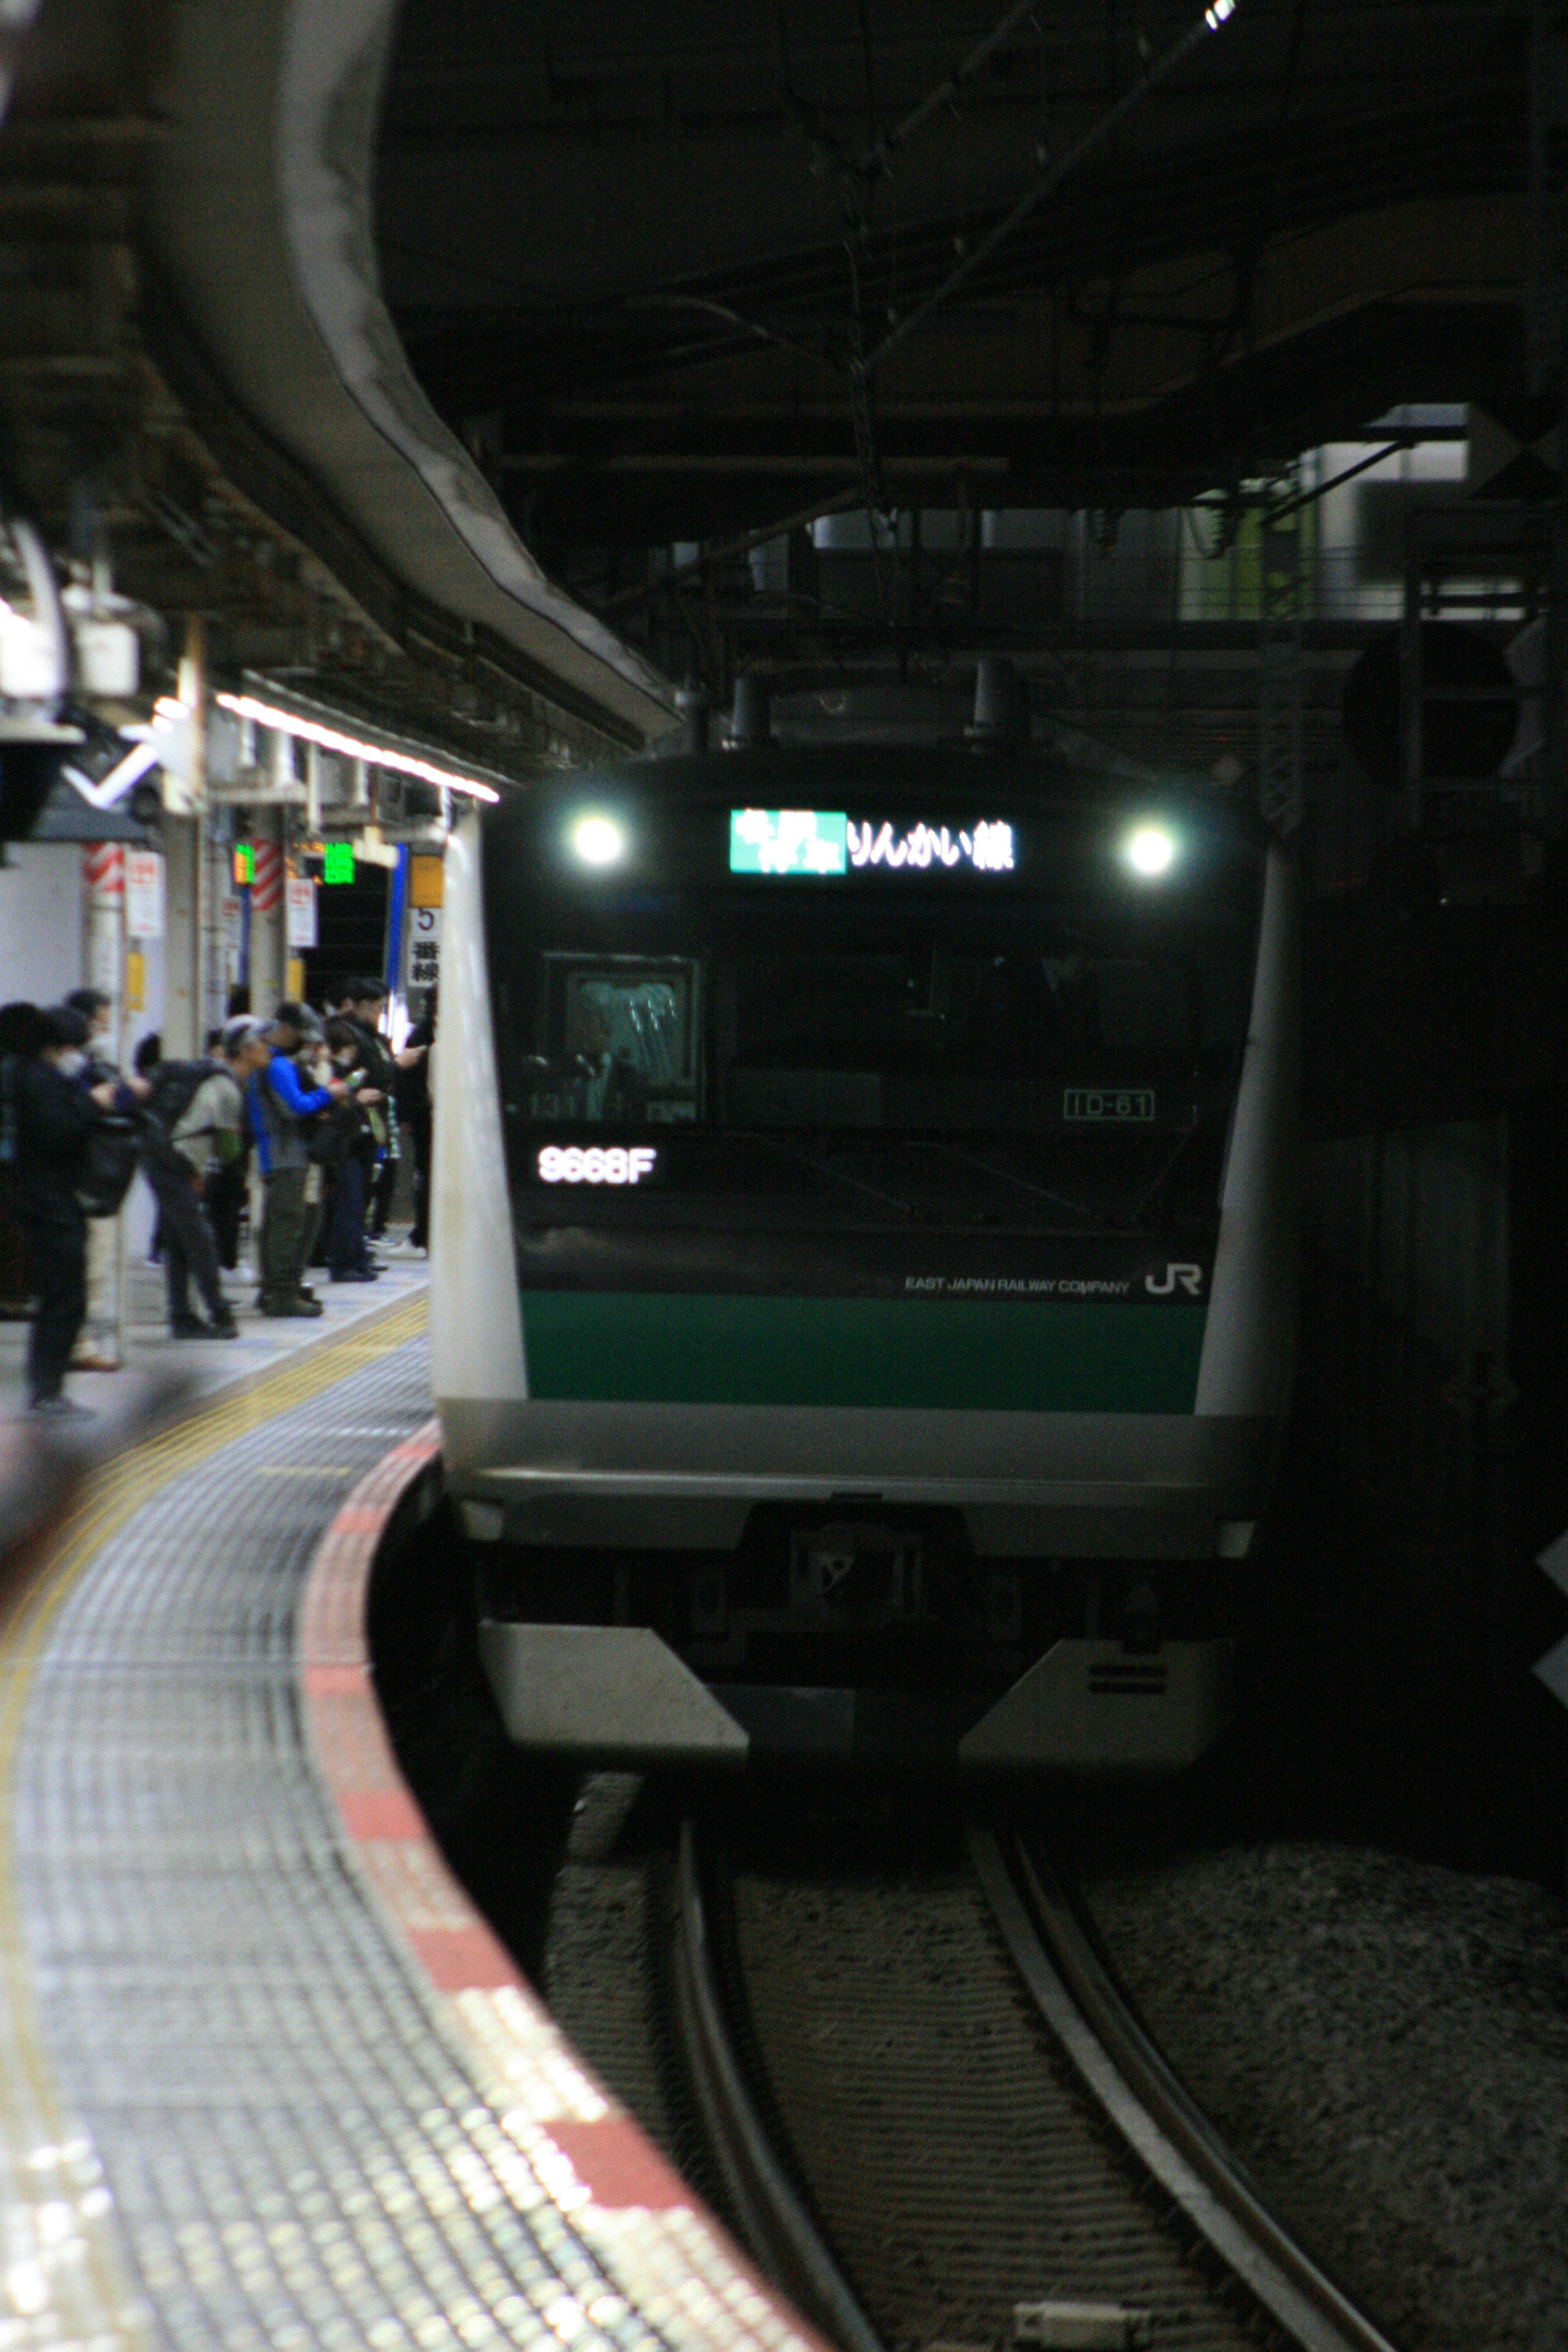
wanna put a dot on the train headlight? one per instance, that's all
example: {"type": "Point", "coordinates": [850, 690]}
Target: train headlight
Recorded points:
{"type": "Point", "coordinates": [597, 840]}
{"type": "Point", "coordinates": [1149, 851]}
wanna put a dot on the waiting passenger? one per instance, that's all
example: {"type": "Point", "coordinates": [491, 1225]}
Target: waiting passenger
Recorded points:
{"type": "Point", "coordinates": [414, 1113]}
{"type": "Point", "coordinates": [363, 1003]}
{"type": "Point", "coordinates": [355, 1134]}
{"type": "Point", "coordinates": [279, 1105]}
{"type": "Point", "coordinates": [97, 1009]}
{"type": "Point", "coordinates": [47, 1118]}
{"type": "Point", "coordinates": [239, 1047]}
{"type": "Point", "coordinates": [193, 1124]}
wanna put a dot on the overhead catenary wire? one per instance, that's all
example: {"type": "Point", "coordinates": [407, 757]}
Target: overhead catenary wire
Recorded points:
{"type": "Point", "coordinates": [879, 157]}
{"type": "Point", "coordinates": [1218, 14]}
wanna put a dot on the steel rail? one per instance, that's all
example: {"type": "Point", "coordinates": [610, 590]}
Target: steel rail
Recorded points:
{"type": "Point", "coordinates": [1154, 2113]}
{"type": "Point", "coordinates": [771, 2214]}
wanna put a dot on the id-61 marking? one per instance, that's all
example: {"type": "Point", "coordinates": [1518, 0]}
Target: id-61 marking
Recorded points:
{"type": "Point", "coordinates": [1108, 1102]}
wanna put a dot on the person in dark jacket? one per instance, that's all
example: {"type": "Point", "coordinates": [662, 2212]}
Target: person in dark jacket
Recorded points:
{"type": "Point", "coordinates": [358, 1136]}
{"type": "Point", "coordinates": [46, 1119]}
{"type": "Point", "coordinates": [278, 1107]}
{"type": "Point", "coordinates": [362, 1005]}
{"type": "Point", "coordinates": [413, 1112]}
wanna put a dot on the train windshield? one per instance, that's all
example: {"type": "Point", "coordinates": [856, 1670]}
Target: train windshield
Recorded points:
{"type": "Point", "coordinates": [850, 1052]}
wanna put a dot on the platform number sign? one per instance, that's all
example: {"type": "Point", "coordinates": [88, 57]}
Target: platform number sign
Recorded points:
{"type": "Point", "coordinates": [423, 947]}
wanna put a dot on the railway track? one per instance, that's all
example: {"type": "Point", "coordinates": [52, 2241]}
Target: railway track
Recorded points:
{"type": "Point", "coordinates": [929, 2111]}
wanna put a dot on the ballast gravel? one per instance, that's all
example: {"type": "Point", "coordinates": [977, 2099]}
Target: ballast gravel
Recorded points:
{"type": "Point", "coordinates": [1384, 2045]}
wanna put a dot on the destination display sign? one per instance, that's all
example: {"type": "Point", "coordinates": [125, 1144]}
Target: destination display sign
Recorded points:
{"type": "Point", "coordinates": [788, 841]}
{"type": "Point", "coordinates": [824, 842]}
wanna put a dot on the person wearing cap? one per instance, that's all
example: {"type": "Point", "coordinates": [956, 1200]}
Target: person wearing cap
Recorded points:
{"type": "Point", "coordinates": [240, 1045]}
{"type": "Point", "coordinates": [279, 1108]}
{"type": "Point", "coordinates": [210, 1139]}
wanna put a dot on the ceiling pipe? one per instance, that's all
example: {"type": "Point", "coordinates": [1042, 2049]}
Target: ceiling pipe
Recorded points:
{"type": "Point", "coordinates": [752, 723]}
{"type": "Point", "coordinates": [1001, 701]}
{"type": "Point", "coordinates": [691, 702]}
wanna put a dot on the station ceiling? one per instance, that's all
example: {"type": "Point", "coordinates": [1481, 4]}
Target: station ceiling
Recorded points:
{"type": "Point", "coordinates": [667, 264]}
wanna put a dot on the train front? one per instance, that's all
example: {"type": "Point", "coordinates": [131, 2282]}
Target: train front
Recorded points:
{"type": "Point", "coordinates": [863, 1283]}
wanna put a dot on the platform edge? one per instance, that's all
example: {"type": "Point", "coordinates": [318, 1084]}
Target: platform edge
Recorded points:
{"type": "Point", "coordinates": [667, 2254]}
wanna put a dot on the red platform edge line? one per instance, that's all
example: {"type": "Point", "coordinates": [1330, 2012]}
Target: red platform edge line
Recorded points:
{"type": "Point", "coordinates": [611, 2154]}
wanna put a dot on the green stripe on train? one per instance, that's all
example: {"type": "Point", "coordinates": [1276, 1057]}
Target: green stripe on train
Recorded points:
{"type": "Point", "coordinates": [976, 1355]}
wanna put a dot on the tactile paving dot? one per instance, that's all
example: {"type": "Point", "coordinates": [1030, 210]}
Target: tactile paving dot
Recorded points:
{"type": "Point", "coordinates": [295, 2156]}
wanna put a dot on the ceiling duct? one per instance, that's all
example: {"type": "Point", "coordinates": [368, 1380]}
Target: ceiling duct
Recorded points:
{"type": "Point", "coordinates": [752, 723]}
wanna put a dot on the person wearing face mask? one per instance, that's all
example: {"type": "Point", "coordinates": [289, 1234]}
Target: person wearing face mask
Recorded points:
{"type": "Point", "coordinates": [47, 1116]}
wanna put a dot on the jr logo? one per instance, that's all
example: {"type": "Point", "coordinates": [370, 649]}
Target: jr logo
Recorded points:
{"type": "Point", "coordinates": [1191, 1278]}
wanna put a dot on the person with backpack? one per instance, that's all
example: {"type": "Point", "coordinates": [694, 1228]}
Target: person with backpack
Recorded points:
{"type": "Point", "coordinates": [47, 1123]}
{"type": "Point", "coordinates": [193, 1116]}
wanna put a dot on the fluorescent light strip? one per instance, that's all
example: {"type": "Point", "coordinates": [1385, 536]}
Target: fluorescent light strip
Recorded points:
{"type": "Point", "coordinates": [350, 747]}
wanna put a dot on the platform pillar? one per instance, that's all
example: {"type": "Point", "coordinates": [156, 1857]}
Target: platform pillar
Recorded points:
{"type": "Point", "coordinates": [182, 944]}
{"type": "Point", "coordinates": [268, 910]}
{"type": "Point", "coordinates": [101, 1344]}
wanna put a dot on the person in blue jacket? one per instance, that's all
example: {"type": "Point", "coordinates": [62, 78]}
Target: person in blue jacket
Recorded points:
{"type": "Point", "coordinates": [279, 1108]}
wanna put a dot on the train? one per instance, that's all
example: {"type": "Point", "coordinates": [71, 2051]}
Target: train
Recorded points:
{"type": "Point", "coordinates": [863, 1268]}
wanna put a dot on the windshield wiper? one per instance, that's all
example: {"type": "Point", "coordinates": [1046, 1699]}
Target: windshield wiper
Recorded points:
{"type": "Point", "coordinates": [987, 1168]}
{"type": "Point", "coordinates": [825, 1168]}
{"type": "Point", "coordinates": [1145, 1197]}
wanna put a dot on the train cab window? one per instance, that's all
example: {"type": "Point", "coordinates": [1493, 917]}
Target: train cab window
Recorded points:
{"type": "Point", "coordinates": [619, 1041]}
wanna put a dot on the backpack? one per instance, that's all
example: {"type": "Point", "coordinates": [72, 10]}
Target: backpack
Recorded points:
{"type": "Point", "coordinates": [110, 1161]}
{"type": "Point", "coordinates": [175, 1088]}
{"type": "Point", "coordinates": [329, 1135]}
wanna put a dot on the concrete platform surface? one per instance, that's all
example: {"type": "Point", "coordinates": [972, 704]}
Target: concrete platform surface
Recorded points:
{"type": "Point", "coordinates": [204, 1366]}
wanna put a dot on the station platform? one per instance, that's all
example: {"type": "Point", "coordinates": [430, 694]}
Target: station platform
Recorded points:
{"type": "Point", "coordinates": [267, 2080]}
{"type": "Point", "coordinates": [201, 1365]}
